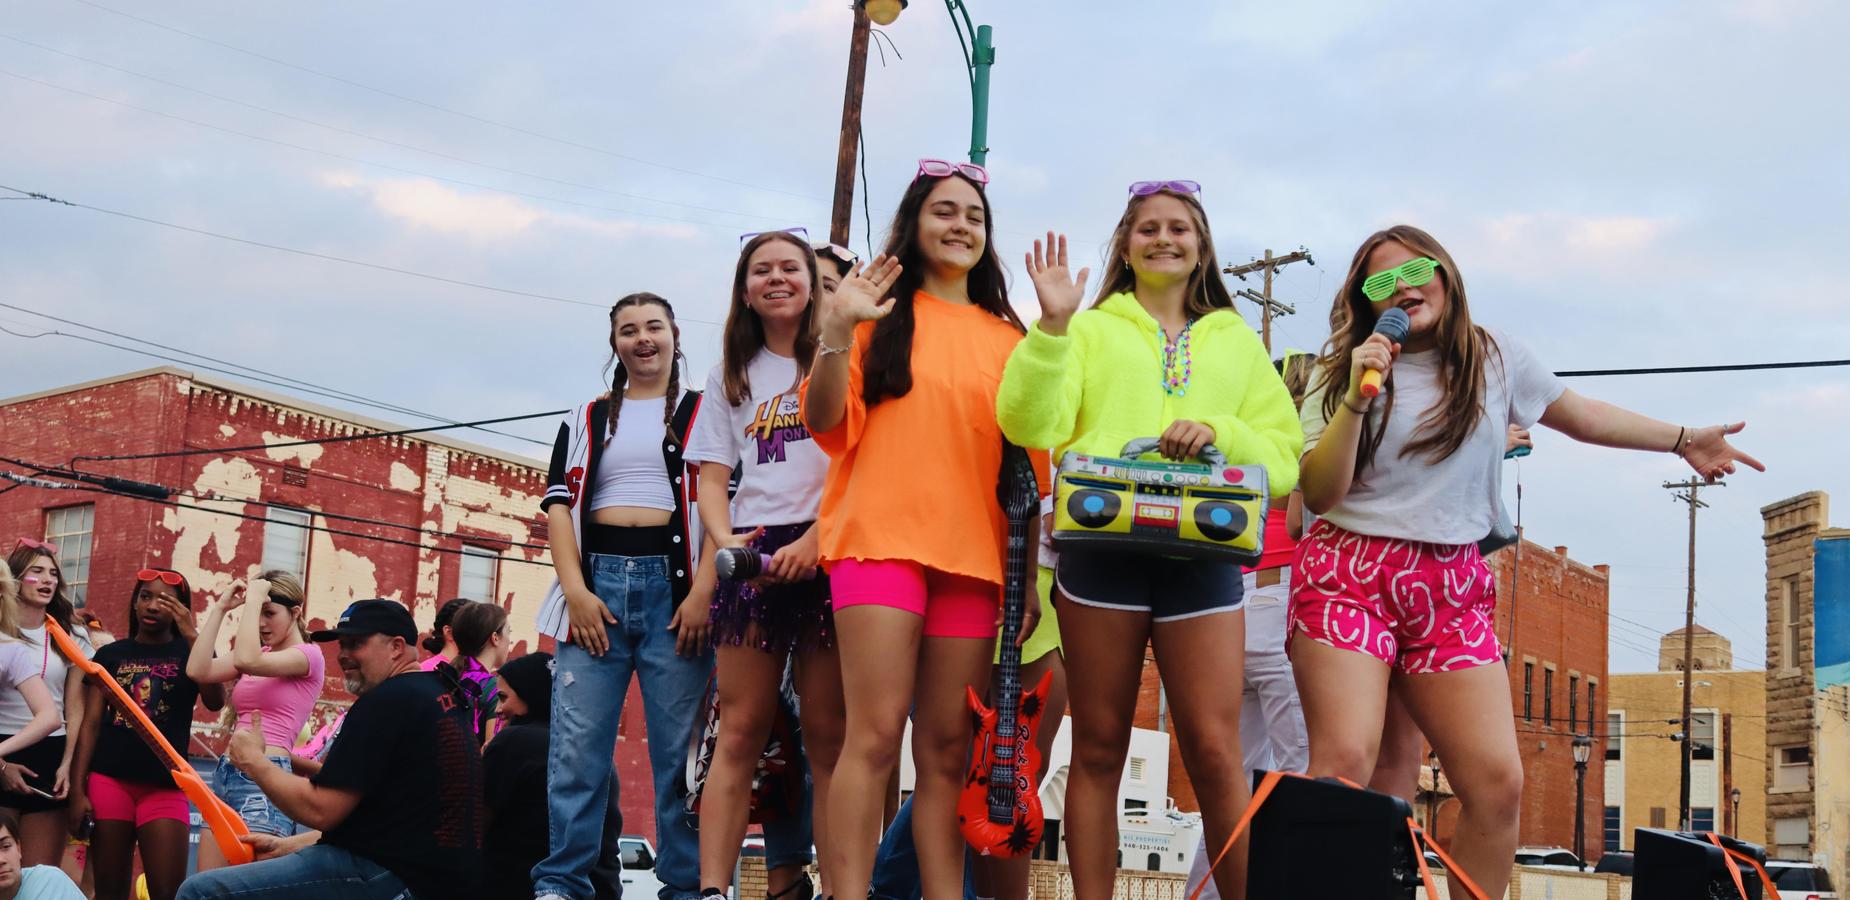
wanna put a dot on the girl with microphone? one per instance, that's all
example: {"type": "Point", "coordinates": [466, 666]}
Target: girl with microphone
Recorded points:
{"type": "Point", "coordinates": [1389, 583]}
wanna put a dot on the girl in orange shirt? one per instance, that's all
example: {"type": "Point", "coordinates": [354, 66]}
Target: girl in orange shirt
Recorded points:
{"type": "Point", "coordinates": [902, 397]}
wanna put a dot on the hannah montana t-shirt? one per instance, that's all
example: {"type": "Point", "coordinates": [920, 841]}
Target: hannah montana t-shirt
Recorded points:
{"type": "Point", "coordinates": [779, 467]}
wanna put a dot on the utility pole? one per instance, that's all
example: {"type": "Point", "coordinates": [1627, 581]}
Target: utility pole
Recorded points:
{"type": "Point", "coordinates": [1267, 265]}
{"type": "Point", "coordinates": [1688, 493]}
{"type": "Point", "coordinates": [846, 152]}
{"type": "Point", "coordinates": [1733, 827]}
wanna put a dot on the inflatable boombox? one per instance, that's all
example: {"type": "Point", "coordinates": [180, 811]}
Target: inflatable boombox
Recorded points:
{"type": "Point", "coordinates": [1200, 510]}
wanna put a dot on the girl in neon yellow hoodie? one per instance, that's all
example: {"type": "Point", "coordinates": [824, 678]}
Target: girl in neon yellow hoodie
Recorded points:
{"type": "Point", "coordinates": [1161, 353]}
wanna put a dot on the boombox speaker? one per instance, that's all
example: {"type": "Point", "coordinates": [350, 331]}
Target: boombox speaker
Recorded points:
{"type": "Point", "coordinates": [1686, 865]}
{"type": "Point", "coordinates": [1199, 510]}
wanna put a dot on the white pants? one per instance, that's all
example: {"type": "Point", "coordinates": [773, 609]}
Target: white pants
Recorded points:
{"type": "Point", "coordinates": [1272, 734]}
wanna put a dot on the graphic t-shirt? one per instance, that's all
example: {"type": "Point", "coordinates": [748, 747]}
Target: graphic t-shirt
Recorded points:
{"type": "Point", "coordinates": [408, 749]}
{"type": "Point", "coordinates": [154, 676]}
{"type": "Point", "coordinates": [765, 441]}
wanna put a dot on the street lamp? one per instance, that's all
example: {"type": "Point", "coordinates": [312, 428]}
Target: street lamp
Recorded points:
{"type": "Point", "coordinates": [1583, 750]}
{"type": "Point", "coordinates": [1734, 821]}
{"type": "Point", "coordinates": [883, 12]}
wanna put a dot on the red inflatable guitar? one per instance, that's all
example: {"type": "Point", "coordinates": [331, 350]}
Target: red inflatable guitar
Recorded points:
{"type": "Point", "coordinates": [1000, 810]}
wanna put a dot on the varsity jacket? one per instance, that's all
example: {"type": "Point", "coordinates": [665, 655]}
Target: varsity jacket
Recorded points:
{"type": "Point", "coordinates": [573, 476]}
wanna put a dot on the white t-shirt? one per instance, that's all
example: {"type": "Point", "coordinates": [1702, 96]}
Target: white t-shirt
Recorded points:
{"type": "Point", "coordinates": [39, 660]}
{"type": "Point", "coordinates": [780, 468]}
{"type": "Point", "coordinates": [1453, 500]}
{"type": "Point", "coordinates": [631, 471]}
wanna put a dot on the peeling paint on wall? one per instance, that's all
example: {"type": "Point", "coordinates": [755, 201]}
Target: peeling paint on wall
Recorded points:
{"type": "Point", "coordinates": [195, 530]}
{"type": "Point", "coordinates": [304, 455]}
{"type": "Point", "coordinates": [336, 577]}
{"type": "Point", "coordinates": [403, 478]}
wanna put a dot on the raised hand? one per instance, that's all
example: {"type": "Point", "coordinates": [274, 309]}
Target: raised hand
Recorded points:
{"type": "Point", "coordinates": [1057, 290]}
{"type": "Point", "coordinates": [862, 296]}
{"type": "Point", "coordinates": [1708, 452]}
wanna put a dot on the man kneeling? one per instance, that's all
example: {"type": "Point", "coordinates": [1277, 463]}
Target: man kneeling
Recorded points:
{"type": "Point", "coordinates": [396, 807]}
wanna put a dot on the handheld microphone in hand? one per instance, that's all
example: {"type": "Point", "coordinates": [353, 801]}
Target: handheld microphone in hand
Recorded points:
{"type": "Point", "coordinates": [1392, 325]}
{"type": "Point", "coordinates": [740, 563]}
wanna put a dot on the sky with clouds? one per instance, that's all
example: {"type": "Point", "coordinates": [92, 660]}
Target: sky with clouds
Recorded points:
{"type": "Point", "coordinates": [1623, 184]}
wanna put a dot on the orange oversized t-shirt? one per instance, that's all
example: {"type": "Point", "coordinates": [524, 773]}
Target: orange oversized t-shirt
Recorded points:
{"type": "Point", "coordinates": [914, 478]}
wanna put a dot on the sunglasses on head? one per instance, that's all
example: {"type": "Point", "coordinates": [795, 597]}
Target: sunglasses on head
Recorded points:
{"type": "Point", "coordinates": [171, 578]}
{"type": "Point", "coordinates": [45, 546]}
{"type": "Point", "coordinates": [1382, 284]}
{"type": "Point", "coordinates": [1146, 188]}
{"type": "Point", "coordinates": [799, 231]}
{"type": "Point", "coordinates": [838, 253]}
{"type": "Point", "coordinates": [938, 168]}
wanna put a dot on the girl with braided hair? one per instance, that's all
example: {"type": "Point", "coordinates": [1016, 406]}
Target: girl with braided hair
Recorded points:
{"type": "Point", "coordinates": [631, 597]}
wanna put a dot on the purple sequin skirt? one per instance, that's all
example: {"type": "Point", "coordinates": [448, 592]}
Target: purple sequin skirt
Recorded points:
{"type": "Point", "coordinates": [775, 618]}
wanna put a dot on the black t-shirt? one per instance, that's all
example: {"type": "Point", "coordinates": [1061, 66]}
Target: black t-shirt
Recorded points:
{"type": "Point", "coordinates": [514, 784]}
{"type": "Point", "coordinates": [408, 748]}
{"type": "Point", "coordinates": [154, 676]}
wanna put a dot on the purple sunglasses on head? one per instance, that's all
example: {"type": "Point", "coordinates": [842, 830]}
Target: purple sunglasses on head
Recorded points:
{"type": "Point", "coordinates": [1146, 188]}
{"type": "Point", "coordinates": [938, 168]}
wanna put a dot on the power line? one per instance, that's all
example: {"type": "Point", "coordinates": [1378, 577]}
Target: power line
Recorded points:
{"type": "Point", "coordinates": [364, 136]}
{"type": "Point", "coordinates": [286, 382]}
{"type": "Point", "coordinates": [322, 256]}
{"type": "Point", "coordinates": [371, 435]}
{"type": "Point", "coordinates": [1678, 370]}
{"type": "Point", "coordinates": [444, 109]}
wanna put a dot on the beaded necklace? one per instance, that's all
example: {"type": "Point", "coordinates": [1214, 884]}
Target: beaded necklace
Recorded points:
{"type": "Point", "coordinates": [1177, 363]}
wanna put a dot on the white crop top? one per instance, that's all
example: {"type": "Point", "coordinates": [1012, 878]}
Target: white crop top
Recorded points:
{"type": "Point", "coordinates": [631, 471]}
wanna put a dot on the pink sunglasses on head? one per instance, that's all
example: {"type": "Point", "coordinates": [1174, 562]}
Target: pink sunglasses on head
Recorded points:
{"type": "Point", "coordinates": [46, 546]}
{"type": "Point", "coordinates": [938, 168]}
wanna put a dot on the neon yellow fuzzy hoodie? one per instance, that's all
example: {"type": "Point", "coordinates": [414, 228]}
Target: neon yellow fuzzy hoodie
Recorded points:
{"type": "Point", "coordinates": [1101, 386]}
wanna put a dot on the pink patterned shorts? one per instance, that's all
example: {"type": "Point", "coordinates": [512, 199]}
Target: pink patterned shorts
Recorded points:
{"type": "Point", "coordinates": [1417, 607]}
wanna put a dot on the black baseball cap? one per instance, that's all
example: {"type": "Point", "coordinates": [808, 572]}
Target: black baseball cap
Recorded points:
{"type": "Point", "coordinates": [367, 617]}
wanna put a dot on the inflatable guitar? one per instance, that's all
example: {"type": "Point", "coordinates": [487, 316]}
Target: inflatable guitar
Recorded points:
{"type": "Point", "coordinates": [1000, 809]}
{"type": "Point", "coordinates": [225, 824]}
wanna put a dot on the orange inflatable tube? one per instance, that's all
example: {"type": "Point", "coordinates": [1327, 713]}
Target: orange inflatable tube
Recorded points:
{"type": "Point", "coordinates": [225, 824]}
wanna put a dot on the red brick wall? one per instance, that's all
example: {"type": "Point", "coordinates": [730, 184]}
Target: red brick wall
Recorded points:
{"type": "Point", "coordinates": [167, 411]}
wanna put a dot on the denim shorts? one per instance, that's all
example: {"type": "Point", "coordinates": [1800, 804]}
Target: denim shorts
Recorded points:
{"type": "Point", "coordinates": [247, 799]}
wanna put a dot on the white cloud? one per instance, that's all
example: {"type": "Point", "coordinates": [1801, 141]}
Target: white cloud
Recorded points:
{"type": "Point", "coordinates": [1532, 243]}
{"type": "Point", "coordinates": [483, 216]}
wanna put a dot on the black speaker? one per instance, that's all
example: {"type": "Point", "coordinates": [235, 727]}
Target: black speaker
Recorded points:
{"type": "Point", "coordinates": [1324, 840]}
{"type": "Point", "coordinates": [1682, 865]}
{"type": "Point", "coordinates": [1219, 519]}
{"type": "Point", "coordinates": [1093, 508]}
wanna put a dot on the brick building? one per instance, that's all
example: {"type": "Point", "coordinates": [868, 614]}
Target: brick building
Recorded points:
{"type": "Point", "coordinates": [1557, 688]}
{"type": "Point", "coordinates": [417, 519]}
{"type": "Point", "coordinates": [1643, 762]}
{"type": "Point", "coordinates": [1808, 728]}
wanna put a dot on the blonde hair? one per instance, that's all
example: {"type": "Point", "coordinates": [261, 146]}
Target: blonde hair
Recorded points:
{"type": "Point", "coordinates": [9, 605]}
{"type": "Point", "coordinates": [1205, 292]}
{"type": "Point", "coordinates": [289, 588]}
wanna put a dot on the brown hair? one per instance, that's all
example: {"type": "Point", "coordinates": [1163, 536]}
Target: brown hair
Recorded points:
{"type": "Point", "coordinates": [1463, 349]}
{"type": "Point", "coordinates": [622, 376]}
{"type": "Point", "coordinates": [744, 334]}
{"type": "Point", "coordinates": [1294, 369]}
{"type": "Point", "coordinates": [286, 591]}
{"type": "Point", "coordinates": [473, 627]}
{"type": "Point", "coordinates": [1205, 292]}
{"type": "Point", "coordinates": [887, 362]}
{"type": "Point", "coordinates": [61, 609]}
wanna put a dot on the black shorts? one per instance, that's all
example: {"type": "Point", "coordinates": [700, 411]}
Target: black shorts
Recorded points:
{"type": "Point", "coordinates": [1165, 587]}
{"type": "Point", "coordinates": [43, 758]}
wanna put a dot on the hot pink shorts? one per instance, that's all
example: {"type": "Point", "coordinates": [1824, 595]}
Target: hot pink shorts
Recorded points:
{"type": "Point", "coordinates": [955, 606]}
{"type": "Point", "coordinates": [128, 801]}
{"type": "Point", "coordinates": [1417, 607]}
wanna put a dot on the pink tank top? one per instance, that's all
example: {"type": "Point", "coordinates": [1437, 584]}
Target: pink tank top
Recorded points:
{"type": "Point", "coordinates": [285, 702]}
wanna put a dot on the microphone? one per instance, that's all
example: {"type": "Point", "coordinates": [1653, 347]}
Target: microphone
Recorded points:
{"type": "Point", "coordinates": [740, 563]}
{"type": "Point", "coordinates": [1392, 325]}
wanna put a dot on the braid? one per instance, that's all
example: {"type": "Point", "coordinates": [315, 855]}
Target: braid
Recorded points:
{"type": "Point", "coordinates": [673, 397]}
{"type": "Point", "coordinates": [618, 382]}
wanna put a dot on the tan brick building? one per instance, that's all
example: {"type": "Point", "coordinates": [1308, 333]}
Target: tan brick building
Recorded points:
{"type": "Point", "coordinates": [1808, 730]}
{"type": "Point", "coordinates": [1643, 769]}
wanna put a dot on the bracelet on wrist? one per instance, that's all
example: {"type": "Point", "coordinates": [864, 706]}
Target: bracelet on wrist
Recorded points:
{"type": "Point", "coordinates": [1682, 433]}
{"type": "Point", "coordinates": [1363, 411]}
{"type": "Point", "coordinates": [823, 349]}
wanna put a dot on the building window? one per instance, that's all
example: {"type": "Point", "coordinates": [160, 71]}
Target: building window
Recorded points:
{"type": "Point", "coordinates": [71, 529]}
{"type": "Point", "coordinates": [1702, 735]}
{"type": "Point", "coordinates": [1614, 837]}
{"type": "Point", "coordinates": [1592, 702]}
{"type": "Point", "coordinates": [1615, 733]}
{"type": "Point", "coordinates": [1548, 696]}
{"type": "Point", "coordinates": [285, 541]}
{"type": "Point", "coordinates": [478, 570]}
{"type": "Point", "coordinates": [1528, 690]}
{"type": "Point", "coordinates": [1792, 838]}
{"type": "Point", "coordinates": [1573, 704]}
{"type": "Point", "coordinates": [1156, 862]}
{"type": "Point", "coordinates": [1794, 772]}
{"type": "Point", "coordinates": [1789, 635]}
{"type": "Point", "coordinates": [1701, 818]}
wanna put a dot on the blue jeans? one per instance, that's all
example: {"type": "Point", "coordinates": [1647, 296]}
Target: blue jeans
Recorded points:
{"type": "Point", "coordinates": [310, 873]}
{"type": "Point", "coordinates": [248, 800]}
{"type": "Point", "coordinates": [896, 867]}
{"type": "Point", "coordinates": [587, 703]}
